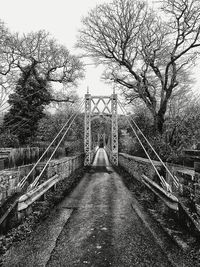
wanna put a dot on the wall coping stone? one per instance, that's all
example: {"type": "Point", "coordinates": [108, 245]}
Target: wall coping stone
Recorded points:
{"type": "Point", "coordinates": [157, 163]}
{"type": "Point", "coordinates": [53, 161]}
{"type": "Point", "coordinates": [179, 166]}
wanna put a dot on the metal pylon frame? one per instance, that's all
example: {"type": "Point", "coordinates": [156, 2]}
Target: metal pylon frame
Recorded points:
{"type": "Point", "coordinates": [87, 133]}
{"type": "Point", "coordinates": [114, 136]}
{"type": "Point", "coordinates": [108, 107]}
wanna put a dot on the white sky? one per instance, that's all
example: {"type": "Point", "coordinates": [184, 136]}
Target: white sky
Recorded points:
{"type": "Point", "coordinates": [62, 18]}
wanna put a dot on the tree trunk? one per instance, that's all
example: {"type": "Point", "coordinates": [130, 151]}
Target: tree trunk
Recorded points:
{"type": "Point", "coordinates": [159, 122]}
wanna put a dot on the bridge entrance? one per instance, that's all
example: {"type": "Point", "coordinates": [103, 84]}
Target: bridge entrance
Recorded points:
{"type": "Point", "coordinates": [101, 106]}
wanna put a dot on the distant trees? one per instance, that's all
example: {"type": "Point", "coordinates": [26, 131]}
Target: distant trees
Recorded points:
{"type": "Point", "coordinates": [101, 125]}
{"type": "Point", "coordinates": [148, 57]}
{"type": "Point", "coordinates": [51, 124]}
{"type": "Point", "coordinates": [182, 131]}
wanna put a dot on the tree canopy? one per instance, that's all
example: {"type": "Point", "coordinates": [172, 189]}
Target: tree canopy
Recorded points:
{"type": "Point", "coordinates": [35, 71]}
{"type": "Point", "coordinates": [53, 61]}
{"type": "Point", "coordinates": [147, 56]}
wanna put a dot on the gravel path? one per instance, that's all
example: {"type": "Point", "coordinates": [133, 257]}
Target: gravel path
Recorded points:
{"type": "Point", "coordinates": [104, 228]}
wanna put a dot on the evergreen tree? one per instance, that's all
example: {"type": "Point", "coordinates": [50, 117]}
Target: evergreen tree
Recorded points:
{"type": "Point", "coordinates": [27, 105]}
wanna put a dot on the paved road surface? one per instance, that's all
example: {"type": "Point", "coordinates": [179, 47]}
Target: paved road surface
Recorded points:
{"type": "Point", "coordinates": [95, 226]}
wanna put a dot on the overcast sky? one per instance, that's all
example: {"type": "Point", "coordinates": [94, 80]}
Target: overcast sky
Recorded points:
{"type": "Point", "coordinates": [62, 18]}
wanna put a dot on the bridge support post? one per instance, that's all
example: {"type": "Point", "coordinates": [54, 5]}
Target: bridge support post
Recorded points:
{"type": "Point", "coordinates": [114, 138]}
{"type": "Point", "coordinates": [87, 137]}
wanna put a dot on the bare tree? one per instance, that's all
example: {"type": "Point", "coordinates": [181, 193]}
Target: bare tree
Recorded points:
{"type": "Point", "coordinates": [147, 56]}
{"type": "Point", "coordinates": [6, 62]}
{"type": "Point", "coordinates": [53, 60]}
{"type": "Point", "coordinates": [37, 49]}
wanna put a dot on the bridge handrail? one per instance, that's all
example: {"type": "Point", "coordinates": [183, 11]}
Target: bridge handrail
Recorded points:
{"type": "Point", "coordinates": [34, 194]}
{"type": "Point", "coordinates": [169, 199]}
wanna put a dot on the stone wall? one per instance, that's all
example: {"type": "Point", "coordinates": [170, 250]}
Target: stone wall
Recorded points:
{"type": "Point", "coordinates": [189, 184]}
{"type": "Point", "coordinates": [64, 167]}
{"type": "Point", "coordinates": [188, 191]}
{"type": "Point", "coordinates": [10, 178]}
{"type": "Point", "coordinates": [197, 187]}
{"type": "Point", "coordinates": [14, 157]}
{"type": "Point", "coordinates": [138, 166]}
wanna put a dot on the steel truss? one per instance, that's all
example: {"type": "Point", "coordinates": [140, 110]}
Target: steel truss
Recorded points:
{"type": "Point", "coordinates": [101, 105]}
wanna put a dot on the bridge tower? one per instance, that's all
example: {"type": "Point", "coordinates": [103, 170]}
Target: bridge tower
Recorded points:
{"type": "Point", "coordinates": [87, 133]}
{"type": "Point", "coordinates": [96, 106]}
{"type": "Point", "coordinates": [114, 132]}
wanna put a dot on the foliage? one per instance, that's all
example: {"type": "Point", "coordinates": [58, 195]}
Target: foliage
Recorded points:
{"type": "Point", "coordinates": [74, 147]}
{"type": "Point", "coordinates": [27, 104]}
{"type": "Point", "coordinates": [8, 140]}
{"type": "Point", "coordinates": [180, 132]}
{"type": "Point", "coordinates": [184, 130]}
{"type": "Point", "coordinates": [50, 64]}
{"type": "Point", "coordinates": [125, 142]}
{"type": "Point", "coordinates": [51, 124]}
{"type": "Point", "coordinates": [148, 57]}
{"type": "Point", "coordinates": [101, 125]}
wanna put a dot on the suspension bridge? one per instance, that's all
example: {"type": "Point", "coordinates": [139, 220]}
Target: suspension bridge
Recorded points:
{"type": "Point", "coordinates": [100, 223]}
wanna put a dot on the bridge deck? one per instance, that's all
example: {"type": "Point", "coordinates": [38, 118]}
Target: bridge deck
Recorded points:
{"type": "Point", "coordinates": [99, 224]}
{"type": "Point", "coordinates": [101, 159]}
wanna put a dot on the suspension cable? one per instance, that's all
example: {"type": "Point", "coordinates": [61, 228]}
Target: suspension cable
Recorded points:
{"type": "Point", "coordinates": [21, 183]}
{"type": "Point", "coordinates": [164, 165]}
{"type": "Point", "coordinates": [38, 177]}
{"type": "Point", "coordinates": [142, 146]}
